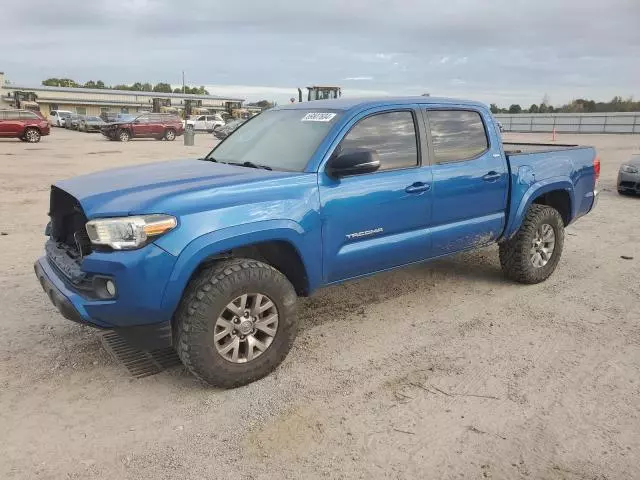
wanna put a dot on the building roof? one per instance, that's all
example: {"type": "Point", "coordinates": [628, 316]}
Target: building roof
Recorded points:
{"type": "Point", "coordinates": [109, 91]}
{"type": "Point", "coordinates": [354, 102]}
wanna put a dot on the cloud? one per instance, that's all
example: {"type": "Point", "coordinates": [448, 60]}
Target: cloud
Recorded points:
{"type": "Point", "coordinates": [570, 48]}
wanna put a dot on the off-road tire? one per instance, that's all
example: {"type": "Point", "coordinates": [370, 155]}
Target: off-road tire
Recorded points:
{"type": "Point", "coordinates": [124, 136]}
{"type": "Point", "coordinates": [515, 255]}
{"type": "Point", "coordinates": [204, 300]}
{"type": "Point", "coordinates": [32, 135]}
{"type": "Point", "coordinates": [170, 135]}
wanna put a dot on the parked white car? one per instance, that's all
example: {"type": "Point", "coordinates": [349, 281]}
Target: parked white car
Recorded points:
{"type": "Point", "coordinates": [205, 122]}
{"type": "Point", "coordinates": [56, 117]}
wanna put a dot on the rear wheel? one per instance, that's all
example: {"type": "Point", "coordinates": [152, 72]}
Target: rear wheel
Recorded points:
{"type": "Point", "coordinates": [533, 253]}
{"type": "Point", "coordinates": [170, 135]}
{"type": "Point", "coordinates": [236, 322]}
{"type": "Point", "coordinates": [124, 136]}
{"type": "Point", "coordinates": [32, 135]}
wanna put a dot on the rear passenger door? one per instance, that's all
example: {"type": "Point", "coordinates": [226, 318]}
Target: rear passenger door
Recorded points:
{"type": "Point", "coordinates": [470, 180]}
{"type": "Point", "coordinates": [378, 220]}
{"type": "Point", "coordinates": [10, 124]}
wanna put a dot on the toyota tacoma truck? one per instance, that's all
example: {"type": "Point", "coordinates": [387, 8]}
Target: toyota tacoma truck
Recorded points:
{"type": "Point", "coordinates": [209, 255]}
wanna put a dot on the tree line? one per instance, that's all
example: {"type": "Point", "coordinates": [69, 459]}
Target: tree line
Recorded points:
{"type": "Point", "coordinates": [135, 87]}
{"type": "Point", "coordinates": [581, 105]}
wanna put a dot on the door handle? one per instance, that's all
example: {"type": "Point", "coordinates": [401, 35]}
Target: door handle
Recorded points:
{"type": "Point", "coordinates": [491, 176]}
{"type": "Point", "coordinates": [418, 187]}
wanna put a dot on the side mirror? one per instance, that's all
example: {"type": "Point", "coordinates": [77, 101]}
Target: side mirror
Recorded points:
{"type": "Point", "coordinates": [354, 161]}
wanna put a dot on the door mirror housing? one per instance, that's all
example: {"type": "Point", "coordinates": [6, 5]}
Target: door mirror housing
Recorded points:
{"type": "Point", "coordinates": [354, 161]}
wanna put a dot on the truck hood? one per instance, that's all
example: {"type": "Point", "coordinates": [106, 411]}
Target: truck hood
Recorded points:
{"type": "Point", "coordinates": [144, 188]}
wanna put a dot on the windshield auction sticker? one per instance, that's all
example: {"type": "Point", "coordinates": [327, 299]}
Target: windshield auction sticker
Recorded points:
{"type": "Point", "coordinates": [318, 117]}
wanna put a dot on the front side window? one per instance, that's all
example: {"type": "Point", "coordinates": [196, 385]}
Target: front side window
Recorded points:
{"type": "Point", "coordinates": [28, 116]}
{"type": "Point", "coordinates": [457, 135]}
{"type": "Point", "coordinates": [392, 135]}
{"type": "Point", "coordinates": [142, 119]}
{"type": "Point", "coordinates": [279, 139]}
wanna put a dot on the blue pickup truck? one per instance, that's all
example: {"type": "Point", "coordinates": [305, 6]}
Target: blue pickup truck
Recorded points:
{"type": "Point", "coordinates": [209, 255]}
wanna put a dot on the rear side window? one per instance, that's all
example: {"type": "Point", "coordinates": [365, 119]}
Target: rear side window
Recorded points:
{"type": "Point", "coordinates": [11, 115]}
{"type": "Point", "coordinates": [457, 135]}
{"type": "Point", "coordinates": [392, 135]}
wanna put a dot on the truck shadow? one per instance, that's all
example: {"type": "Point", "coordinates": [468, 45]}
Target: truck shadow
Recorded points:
{"type": "Point", "coordinates": [469, 268]}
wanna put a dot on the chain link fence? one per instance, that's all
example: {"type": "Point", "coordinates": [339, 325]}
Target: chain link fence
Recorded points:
{"type": "Point", "coordinates": [621, 122]}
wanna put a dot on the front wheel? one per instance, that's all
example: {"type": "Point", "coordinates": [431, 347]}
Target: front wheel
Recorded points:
{"type": "Point", "coordinates": [170, 135]}
{"type": "Point", "coordinates": [236, 322]}
{"type": "Point", "coordinates": [32, 135]}
{"type": "Point", "coordinates": [123, 136]}
{"type": "Point", "coordinates": [532, 255]}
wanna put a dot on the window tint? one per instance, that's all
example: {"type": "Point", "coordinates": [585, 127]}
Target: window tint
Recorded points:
{"type": "Point", "coordinates": [392, 135]}
{"type": "Point", "coordinates": [54, 113]}
{"type": "Point", "coordinates": [28, 116]}
{"type": "Point", "coordinates": [456, 135]}
{"type": "Point", "coordinates": [143, 119]}
{"type": "Point", "coordinates": [11, 115]}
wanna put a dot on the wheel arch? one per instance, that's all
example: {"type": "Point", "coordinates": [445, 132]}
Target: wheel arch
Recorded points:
{"type": "Point", "coordinates": [556, 193]}
{"type": "Point", "coordinates": [280, 247]}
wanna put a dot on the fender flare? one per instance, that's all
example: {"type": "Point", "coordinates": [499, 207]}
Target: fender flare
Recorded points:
{"type": "Point", "coordinates": [517, 214]}
{"type": "Point", "coordinates": [219, 241]}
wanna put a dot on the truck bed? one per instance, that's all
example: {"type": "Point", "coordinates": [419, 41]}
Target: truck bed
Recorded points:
{"type": "Point", "coordinates": [517, 148]}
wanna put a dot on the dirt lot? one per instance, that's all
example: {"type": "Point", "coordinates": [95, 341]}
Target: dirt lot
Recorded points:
{"type": "Point", "coordinates": [443, 370]}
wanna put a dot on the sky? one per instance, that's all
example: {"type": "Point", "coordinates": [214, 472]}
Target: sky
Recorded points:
{"type": "Point", "coordinates": [495, 51]}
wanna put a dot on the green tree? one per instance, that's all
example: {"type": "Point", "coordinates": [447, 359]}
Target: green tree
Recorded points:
{"type": "Point", "coordinates": [122, 87]}
{"type": "Point", "coordinates": [147, 87]}
{"type": "Point", "coordinates": [100, 84]}
{"type": "Point", "coordinates": [90, 84]}
{"type": "Point", "coordinates": [162, 88]}
{"type": "Point", "coordinates": [534, 108]}
{"type": "Point", "coordinates": [494, 108]}
{"type": "Point", "coordinates": [515, 108]}
{"type": "Point", "coordinates": [262, 104]}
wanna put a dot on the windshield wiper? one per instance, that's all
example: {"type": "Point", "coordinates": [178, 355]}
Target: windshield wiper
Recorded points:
{"type": "Point", "coordinates": [250, 165]}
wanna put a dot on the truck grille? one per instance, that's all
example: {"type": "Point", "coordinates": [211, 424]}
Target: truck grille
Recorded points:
{"type": "Point", "coordinates": [68, 223]}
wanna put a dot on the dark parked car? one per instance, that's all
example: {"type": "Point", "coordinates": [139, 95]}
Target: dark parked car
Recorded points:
{"type": "Point", "coordinates": [71, 122]}
{"type": "Point", "coordinates": [629, 176]}
{"type": "Point", "coordinates": [23, 124]}
{"type": "Point", "coordinates": [91, 124]}
{"type": "Point", "coordinates": [148, 125]}
{"type": "Point", "coordinates": [223, 132]}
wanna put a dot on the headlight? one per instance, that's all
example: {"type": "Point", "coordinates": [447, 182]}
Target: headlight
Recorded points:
{"type": "Point", "coordinates": [629, 169]}
{"type": "Point", "coordinates": [127, 233]}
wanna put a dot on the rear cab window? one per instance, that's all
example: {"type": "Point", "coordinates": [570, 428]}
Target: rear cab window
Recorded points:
{"type": "Point", "coordinates": [457, 135]}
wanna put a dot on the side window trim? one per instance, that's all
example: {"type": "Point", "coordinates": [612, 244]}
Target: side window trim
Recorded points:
{"type": "Point", "coordinates": [427, 120]}
{"type": "Point", "coordinates": [417, 131]}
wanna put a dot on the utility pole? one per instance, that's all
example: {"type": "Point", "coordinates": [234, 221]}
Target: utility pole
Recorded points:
{"type": "Point", "coordinates": [183, 86]}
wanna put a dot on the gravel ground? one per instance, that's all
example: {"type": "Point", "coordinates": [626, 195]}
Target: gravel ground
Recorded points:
{"type": "Point", "coordinates": [442, 370]}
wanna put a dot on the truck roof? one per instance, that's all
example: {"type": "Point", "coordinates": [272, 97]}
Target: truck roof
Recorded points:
{"type": "Point", "coordinates": [354, 102]}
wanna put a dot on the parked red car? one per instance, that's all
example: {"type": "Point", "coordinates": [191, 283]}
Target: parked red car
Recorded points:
{"type": "Point", "coordinates": [147, 125]}
{"type": "Point", "coordinates": [26, 125]}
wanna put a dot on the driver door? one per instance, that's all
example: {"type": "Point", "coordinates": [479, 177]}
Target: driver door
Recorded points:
{"type": "Point", "coordinates": [379, 220]}
{"type": "Point", "coordinates": [141, 126]}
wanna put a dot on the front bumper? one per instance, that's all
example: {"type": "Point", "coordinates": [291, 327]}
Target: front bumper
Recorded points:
{"type": "Point", "coordinates": [135, 312]}
{"type": "Point", "coordinates": [629, 182]}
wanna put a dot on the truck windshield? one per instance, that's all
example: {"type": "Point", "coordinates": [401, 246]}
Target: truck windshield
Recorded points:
{"type": "Point", "coordinates": [279, 139]}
